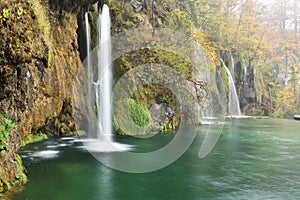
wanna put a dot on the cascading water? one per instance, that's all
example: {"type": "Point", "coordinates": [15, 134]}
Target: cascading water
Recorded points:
{"type": "Point", "coordinates": [233, 104]}
{"type": "Point", "coordinates": [99, 89]}
{"type": "Point", "coordinates": [104, 89]}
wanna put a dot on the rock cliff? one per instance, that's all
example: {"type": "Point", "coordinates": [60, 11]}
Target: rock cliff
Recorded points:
{"type": "Point", "coordinates": [39, 57]}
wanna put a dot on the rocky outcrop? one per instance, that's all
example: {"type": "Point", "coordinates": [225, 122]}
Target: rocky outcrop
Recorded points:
{"type": "Point", "coordinates": [39, 57]}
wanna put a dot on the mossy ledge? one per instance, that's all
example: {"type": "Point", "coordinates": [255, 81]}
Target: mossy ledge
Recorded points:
{"type": "Point", "coordinates": [32, 138]}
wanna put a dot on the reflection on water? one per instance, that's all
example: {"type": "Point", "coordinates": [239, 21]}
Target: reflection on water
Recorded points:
{"type": "Point", "coordinates": [253, 159]}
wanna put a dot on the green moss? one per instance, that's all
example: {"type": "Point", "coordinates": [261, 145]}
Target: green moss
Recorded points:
{"type": "Point", "coordinates": [148, 55]}
{"type": "Point", "coordinates": [4, 132]}
{"type": "Point", "coordinates": [44, 26]}
{"type": "Point", "coordinates": [139, 114]}
{"type": "Point", "coordinates": [32, 138]}
{"type": "Point", "coordinates": [93, 16]}
{"type": "Point", "coordinates": [225, 79]}
{"type": "Point", "coordinates": [76, 133]}
{"type": "Point", "coordinates": [122, 15]}
{"type": "Point", "coordinates": [40, 13]}
{"type": "Point", "coordinates": [20, 178]}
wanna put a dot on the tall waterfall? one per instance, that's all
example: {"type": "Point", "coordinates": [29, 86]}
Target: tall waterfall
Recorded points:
{"type": "Point", "coordinates": [104, 89]}
{"type": "Point", "coordinates": [233, 104]}
{"type": "Point", "coordinates": [103, 85]}
{"type": "Point", "coordinates": [98, 94]}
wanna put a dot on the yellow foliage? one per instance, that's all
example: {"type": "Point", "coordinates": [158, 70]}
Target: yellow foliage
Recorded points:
{"type": "Point", "coordinates": [285, 103]}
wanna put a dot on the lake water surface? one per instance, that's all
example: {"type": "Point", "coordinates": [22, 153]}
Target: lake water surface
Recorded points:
{"type": "Point", "coordinates": [253, 159]}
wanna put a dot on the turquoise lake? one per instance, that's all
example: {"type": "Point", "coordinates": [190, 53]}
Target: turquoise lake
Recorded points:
{"type": "Point", "coordinates": [253, 159]}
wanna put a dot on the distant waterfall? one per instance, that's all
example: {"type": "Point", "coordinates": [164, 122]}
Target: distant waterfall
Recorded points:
{"type": "Point", "coordinates": [233, 104]}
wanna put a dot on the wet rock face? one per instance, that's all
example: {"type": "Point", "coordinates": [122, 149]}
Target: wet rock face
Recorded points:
{"type": "Point", "coordinates": [39, 58]}
{"type": "Point", "coordinates": [63, 124]}
{"type": "Point", "coordinates": [245, 87]}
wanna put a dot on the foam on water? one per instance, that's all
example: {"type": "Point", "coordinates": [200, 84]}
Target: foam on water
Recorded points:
{"type": "Point", "coordinates": [46, 154]}
{"type": "Point", "coordinates": [96, 145]}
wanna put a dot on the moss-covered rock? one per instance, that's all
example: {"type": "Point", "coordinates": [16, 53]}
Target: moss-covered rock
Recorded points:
{"type": "Point", "coordinates": [38, 60]}
{"type": "Point", "coordinates": [32, 138]}
{"type": "Point", "coordinates": [139, 115]}
{"type": "Point", "coordinates": [12, 171]}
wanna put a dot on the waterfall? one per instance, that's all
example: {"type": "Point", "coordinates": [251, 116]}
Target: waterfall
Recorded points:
{"type": "Point", "coordinates": [104, 89]}
{"type": "Point", "coordinates": [99, 89]}
{"type": "Point", "coordinates": [233, 103]}
{"type": "Point", "coordinates": [89, 65]}
{"type": "Point", "coordinates": [103, 86]}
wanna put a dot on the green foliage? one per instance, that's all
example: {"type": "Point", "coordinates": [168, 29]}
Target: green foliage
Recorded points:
{"type": "Point", "coordinates": [179, 20]}
{"type": "Point", "coordinates": [4, 132]}
{"type": "Point", "coordinates": [5, 13]}
{"type": "Point", "coordinates": [167, 128]}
